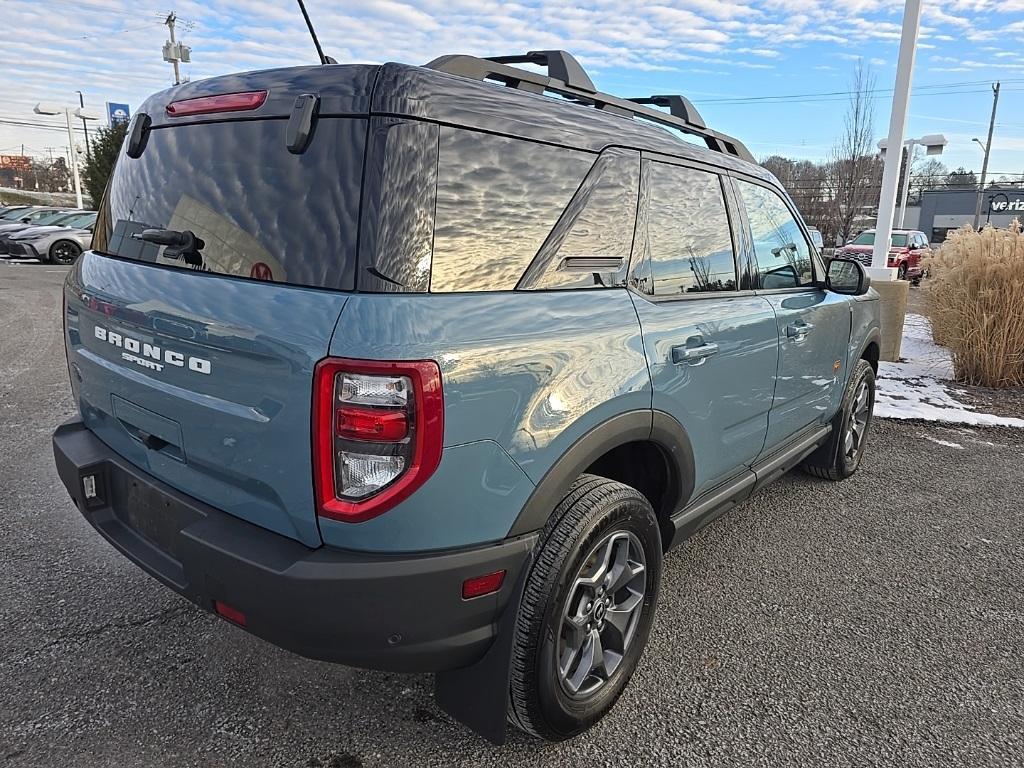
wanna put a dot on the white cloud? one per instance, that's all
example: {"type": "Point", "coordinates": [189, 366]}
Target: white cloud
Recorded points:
{"type": "Point", "coordinates": [769, 53]}
{"type": "Point", "coordinates": [110, 49]}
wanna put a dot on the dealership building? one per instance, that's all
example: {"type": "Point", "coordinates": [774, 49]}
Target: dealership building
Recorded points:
{"type": "Point", "coordinates": [942, 210]}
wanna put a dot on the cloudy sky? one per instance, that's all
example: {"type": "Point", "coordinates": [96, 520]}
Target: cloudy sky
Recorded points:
{"type": "Point", "coordinates": [771, 72]}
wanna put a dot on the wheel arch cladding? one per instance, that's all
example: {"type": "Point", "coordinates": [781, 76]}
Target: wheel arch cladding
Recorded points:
{"type": "Point", "coordinates": [865, 331]}
{"type": "Point", "coordinates": [625, 448]}
{"type": "Point", "coordinates": [872, 351]}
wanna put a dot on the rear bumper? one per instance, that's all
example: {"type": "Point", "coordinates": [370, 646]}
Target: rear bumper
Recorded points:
{"type": "Point", "coordinates": [383, 612]}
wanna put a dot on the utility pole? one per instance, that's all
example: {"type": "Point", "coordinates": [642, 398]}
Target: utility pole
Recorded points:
{"type": "Point", "coordinates": [987, 146]}
{"type": "Point", "coordinates": [175, 52]}
{"type": "Point", "coordinates": [85, 123]}
{"type": "Point", "coordinates": [169, 21]}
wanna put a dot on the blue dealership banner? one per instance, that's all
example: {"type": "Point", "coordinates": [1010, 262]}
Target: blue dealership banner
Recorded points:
{"type": "Point", "coordinates": [117, 113]}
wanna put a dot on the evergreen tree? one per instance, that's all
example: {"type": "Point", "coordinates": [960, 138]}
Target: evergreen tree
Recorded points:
{"type": "Point", "coordinates": [103, 151]}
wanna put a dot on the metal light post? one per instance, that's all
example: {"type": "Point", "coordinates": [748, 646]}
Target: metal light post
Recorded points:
{"type": "Point", "coordinates": [892, 292]}
{"type": "Point", "coordinates": [897, 124]}
{"type": "Point", "coordinates": [933, 143]}
{"type": "Point", "coordinates": [48, 109]}
{"type": "Point", "coordinates": [85, 124]}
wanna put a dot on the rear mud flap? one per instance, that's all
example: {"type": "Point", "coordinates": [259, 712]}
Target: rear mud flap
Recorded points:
{"type": "Point", "coordinates": [477, 696]}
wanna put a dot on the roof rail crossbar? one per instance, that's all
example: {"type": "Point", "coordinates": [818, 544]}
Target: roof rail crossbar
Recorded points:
{"type": "Point", "coordinates": [682, 116]}
{"type": "Point", "coordinates": [680, 106]}
{"type": "Point", "coordinates": [561, 65]}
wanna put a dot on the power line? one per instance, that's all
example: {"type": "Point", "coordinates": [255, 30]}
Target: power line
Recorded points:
{"type": "Point", "coordinates": [121, 31]}
{"type": "Point", "coordinates": [923, 90]}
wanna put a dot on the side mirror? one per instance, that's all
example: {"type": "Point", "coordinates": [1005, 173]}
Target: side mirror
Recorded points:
{"type": "Point", "coordinates": [27, 220]}
{"type": "Point", "coordinates": [847, 277]}
{"type": "Point", "coordinates": [785, 276]}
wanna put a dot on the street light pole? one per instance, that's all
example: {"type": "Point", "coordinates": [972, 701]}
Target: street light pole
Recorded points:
{"type": "Point", "coordinates": [933, 144]}
{"type": "Point", "coordinates": [48, 109]}
{"type": "Point", "coordinates": [897, 124]}
{"type": "Point", "coordinates": [74, 160]}
{"type": "Point", "coordinates": [85, 123]}
{"type": "Point", "coordinates": [906, 184]}
{"type": "Point", "coordinates": [987, 146]}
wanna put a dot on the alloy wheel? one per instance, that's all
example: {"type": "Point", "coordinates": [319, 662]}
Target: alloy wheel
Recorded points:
{"type": "Point", "coordinates": [65, 252]}
{"type": "Point", "coordinates": [601, 614]}
{"type": "Point", "coordinates": [857, 424]}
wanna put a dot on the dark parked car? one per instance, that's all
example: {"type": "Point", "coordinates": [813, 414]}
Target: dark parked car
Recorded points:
{"type": "Point", "coordinates": [425, 368]}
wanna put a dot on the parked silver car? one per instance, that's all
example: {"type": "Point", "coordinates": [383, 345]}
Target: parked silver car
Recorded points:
{"type": "Point", "coordinates": [58, 244]}
{"type": "Point", "coordinates": [53, 218]}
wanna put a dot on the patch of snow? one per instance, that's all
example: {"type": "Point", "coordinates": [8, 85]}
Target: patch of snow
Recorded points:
{"type": "Point", "coordinates": [913, 387]}
{"type": "Point", "coordinates": [942, 442]}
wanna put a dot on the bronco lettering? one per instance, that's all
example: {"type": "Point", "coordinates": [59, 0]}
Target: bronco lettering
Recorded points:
{"type": "Point", "coordinates": [135, 346]}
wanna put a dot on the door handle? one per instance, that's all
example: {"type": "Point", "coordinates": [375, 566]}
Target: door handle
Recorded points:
{"type": "Point", "coordinates": [681, 353]}
{"type": "Point", "coordinates": [798, 330]}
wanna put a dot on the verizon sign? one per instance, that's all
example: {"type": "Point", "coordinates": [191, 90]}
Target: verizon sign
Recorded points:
{"type": "Point", "coordinates": [1006, 202]}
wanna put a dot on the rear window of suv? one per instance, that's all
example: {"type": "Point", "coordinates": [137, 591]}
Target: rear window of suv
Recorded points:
{"type": "Point", "coordinates": [261, 212]}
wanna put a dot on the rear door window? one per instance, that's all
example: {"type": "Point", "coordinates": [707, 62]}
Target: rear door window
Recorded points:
{"type": "Point", "coordinates": [260, 211]}
{"type": "Point", "coordinates": [782, 252]}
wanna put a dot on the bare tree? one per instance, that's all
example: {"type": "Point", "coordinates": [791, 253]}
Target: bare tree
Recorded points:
{"type": "Point", "coordinates": [853, 176]}
{"type": "Point", "coordinates": [805, 182]}
{"type": "Point", "coordinates": [926, 173]}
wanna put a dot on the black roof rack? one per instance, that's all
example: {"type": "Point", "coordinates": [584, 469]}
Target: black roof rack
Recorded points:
{"type": "Point", "coordinates": [560, 65]}
{"type": "Point", "coordinates": [680, 106]}
{"type": "Point", "coordinates": [567, 78]}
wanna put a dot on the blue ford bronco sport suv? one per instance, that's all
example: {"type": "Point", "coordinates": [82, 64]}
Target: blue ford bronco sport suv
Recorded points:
{"type": "Point", "coordinates": [425, 368]}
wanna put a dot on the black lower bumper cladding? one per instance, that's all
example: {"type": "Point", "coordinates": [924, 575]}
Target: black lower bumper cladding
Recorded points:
{"type": "Point", "coordinates": [400, 613]}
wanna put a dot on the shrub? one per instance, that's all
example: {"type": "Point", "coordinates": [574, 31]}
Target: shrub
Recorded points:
{"type": "Point", "coordinates": [975, 301]}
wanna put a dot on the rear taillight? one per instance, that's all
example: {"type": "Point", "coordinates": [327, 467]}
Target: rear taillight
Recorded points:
{"type": "Point", "coordinates": [378, 428]}
{"type": "Point", "coordinates": [225, 102]}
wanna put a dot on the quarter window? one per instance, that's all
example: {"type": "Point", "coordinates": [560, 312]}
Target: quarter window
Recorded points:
{"type": "Point", "coordinates": [689, 243]}
{"type": "Point", "coordinates": [590, 245]}
{"type": "Point", "coordinates": [497, 200]}
{"type": "Point", "coordinates": [783, 254]}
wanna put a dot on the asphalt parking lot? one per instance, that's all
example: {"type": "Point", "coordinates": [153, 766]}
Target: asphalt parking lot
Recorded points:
{"type": "Point", "coordinates": [874, 622]}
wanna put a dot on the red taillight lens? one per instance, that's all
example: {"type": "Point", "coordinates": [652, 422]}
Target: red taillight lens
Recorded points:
{"type": "Point", "coordinates": [479, 586]}
{"type": "Point", "coordinates": [374, 424]}
{"type": "Point", "coordinates": [378, 428]}
{"type": "Point", "coordinates": [225, 102]}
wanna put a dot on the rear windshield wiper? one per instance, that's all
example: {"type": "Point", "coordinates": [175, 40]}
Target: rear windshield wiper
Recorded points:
{"type": "Point", "coordinates": [185, 245]}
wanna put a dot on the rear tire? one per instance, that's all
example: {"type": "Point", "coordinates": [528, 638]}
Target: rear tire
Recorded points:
{"type": "Point", "coordinates": [64, 252]}
{"type": "Point", "coordinates": [586, 610]}
{"type": "Point", "coordinates": [840, 456]}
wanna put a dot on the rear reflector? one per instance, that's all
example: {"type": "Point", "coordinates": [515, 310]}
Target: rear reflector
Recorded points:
{"type": "Point", "coordinates": [225, 102]}
{"type": "Point", "coordinates": [479, 586]}
{"type": "Point", "coordinates": [231, 614]}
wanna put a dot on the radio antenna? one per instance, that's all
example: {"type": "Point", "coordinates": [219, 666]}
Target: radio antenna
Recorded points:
{"type": "Point", "coordinates": [312, 33]}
